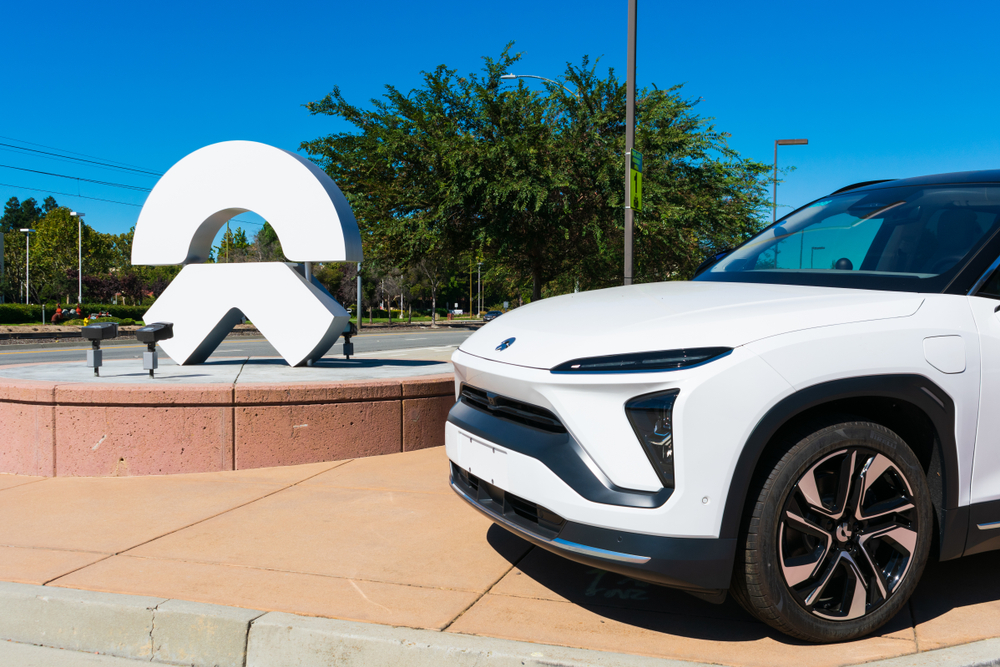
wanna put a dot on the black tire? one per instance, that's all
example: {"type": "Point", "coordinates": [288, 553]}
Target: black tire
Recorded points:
{"type": "Point", "coordinates": [836, 534]}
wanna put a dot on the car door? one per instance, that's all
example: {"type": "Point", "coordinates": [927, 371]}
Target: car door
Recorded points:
{"type": "Point", "coordinates": [984, 524]}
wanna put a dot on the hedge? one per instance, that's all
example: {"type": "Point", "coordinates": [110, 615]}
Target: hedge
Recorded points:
{"type": "Point", "coordinates": [18, 313]}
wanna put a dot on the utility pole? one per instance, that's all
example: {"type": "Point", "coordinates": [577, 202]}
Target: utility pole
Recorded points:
{"type": "Point", "coordinates": [629, 136]}
{"type": "Point", "coordinates": [359, 297]}
{"type": "Point", "coordinates": [479, 286]}
{"type": "Point", "coordinates": [79, 254]}
{"type": "Point", "coordinates": [774, 199]}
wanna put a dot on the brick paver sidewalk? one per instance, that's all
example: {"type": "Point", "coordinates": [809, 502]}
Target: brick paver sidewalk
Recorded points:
{"type": "Point", "coordinates": [384, 540]}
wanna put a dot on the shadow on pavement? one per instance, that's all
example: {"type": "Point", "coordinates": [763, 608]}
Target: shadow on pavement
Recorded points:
{"type": "Point", "coordinates": [640, 604]}
{"type": "Point", "coordinates": [963, 582]}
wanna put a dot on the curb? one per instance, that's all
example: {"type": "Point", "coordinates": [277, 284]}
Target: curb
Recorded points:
{"type": "Point", "coordinates": [176, 632]}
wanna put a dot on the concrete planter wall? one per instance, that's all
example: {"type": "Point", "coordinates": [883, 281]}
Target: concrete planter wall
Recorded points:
{"type": "Point", "coordinates": [98, 430]}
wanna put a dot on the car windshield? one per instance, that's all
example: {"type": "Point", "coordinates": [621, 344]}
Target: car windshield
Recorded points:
{"type": "Point", "coordinates": [896, 238]}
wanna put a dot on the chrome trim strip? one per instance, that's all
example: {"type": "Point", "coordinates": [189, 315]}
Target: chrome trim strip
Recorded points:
{"type": "Point", "coordinates": [984, 277]}
{"type": "Point", "coordinates": [558, 543]}
{"type": "Point", "coordinates": [993, 525]}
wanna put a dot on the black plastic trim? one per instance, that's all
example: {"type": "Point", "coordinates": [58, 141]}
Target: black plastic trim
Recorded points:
{"type": "Point", "coordinates": [559, 452]}
{"type": "Point", "coordinates": [980, 540]}
{"type": "Point", "coordinates": [698, 565]}
{"type": "Point", "coordinates": [914, 389]}
{"type": "Point", "coordinates": [862, 184]}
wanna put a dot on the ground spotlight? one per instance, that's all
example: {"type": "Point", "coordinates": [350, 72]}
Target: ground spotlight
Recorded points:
{"type": "Point", "coordinates": [151, 334]}
{"type": "Point", "coordinates": [95, 333]}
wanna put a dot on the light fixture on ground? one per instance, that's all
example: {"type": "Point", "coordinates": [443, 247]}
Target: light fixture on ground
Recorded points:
{"type": "Point", "coordinates": [781, 142]}
{"type": "Point", "coordinates": [151, 334]}
{"type": "Point", "coordinates": [79, 254]}
{"type": "Point", "coordinates": [95, 333]}
{"type": "Point", "coordinates": [351, 330]}
{"type": "Point", "coordinates": [27, 263]}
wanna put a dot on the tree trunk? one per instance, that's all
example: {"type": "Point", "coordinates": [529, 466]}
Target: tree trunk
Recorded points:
{"type": "Point", "coordinates": [409, 313]}
{"type": "Point", "coordinates": [434, 310]}
{"type": "Point", "coordinates": [536, 284]}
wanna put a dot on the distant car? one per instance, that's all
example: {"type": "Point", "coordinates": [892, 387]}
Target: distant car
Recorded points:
{"type": "Point", "coordinates": [808, 423]}
{"type": "Point", "coordinates": [492, 315]}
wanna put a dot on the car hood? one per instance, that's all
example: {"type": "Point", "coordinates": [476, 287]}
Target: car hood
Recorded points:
{"type": "Point", "coordinates": [673, 315]}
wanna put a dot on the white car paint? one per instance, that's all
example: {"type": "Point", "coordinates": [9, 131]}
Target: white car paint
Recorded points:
{"type": "Point", "coordinates": [785, 338]}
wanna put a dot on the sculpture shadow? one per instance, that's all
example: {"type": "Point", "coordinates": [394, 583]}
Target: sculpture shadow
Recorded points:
{"type": "Point", "coordinates": [635, 603]}
{"type": "Point", "coordinates": [353, 363]}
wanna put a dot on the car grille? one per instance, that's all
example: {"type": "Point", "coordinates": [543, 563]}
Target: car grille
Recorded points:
{"type": "Point", "coordinates": [528, 515]}
{"type": "Point", "coordinates": [511, 409]}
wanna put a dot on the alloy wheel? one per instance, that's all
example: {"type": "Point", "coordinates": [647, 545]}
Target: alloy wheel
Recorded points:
{"type": "Point", "coordinates": [847, 534]}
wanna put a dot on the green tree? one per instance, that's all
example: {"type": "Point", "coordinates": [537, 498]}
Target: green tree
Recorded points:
{"type": "Point", "coordinates": [233, 247]}
{"type": "Point", "coordinates": [54, 258]}
{"type": "Point", "coordinates": [533, 181]}
{"type": "Point", "coordinates": [17, 215]}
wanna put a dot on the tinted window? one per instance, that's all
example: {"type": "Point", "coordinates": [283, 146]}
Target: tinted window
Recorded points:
{"type": "Point", "coordinates": [906, 237]}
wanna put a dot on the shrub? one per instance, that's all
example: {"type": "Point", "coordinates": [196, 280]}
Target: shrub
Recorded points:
{"type": "Point", "coordinates": [19, 313]}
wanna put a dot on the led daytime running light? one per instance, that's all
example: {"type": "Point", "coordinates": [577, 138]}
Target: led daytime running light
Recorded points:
{"type": "Point", "coordinates": [641, 362]}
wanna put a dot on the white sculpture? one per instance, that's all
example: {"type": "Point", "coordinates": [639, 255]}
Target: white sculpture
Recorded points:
{"type": "Point", "coordinates": [185, 211]}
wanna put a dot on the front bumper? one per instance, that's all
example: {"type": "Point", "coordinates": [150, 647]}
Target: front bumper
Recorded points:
{"type": "Point", "coordinates": [699, 566]}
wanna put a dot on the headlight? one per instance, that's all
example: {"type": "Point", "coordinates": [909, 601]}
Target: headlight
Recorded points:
{"type": "Point", "coordinates": [643, 362]}
{"type": "Point", "coordinates": [652, 420]}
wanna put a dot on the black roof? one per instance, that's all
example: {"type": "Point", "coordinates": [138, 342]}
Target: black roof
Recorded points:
{"type": "Point", "coordinates": [954, 178]}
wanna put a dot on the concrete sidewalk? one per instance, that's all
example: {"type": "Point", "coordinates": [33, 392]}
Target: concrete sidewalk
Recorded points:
{"type": "Point", "coordinates": [383, 540]}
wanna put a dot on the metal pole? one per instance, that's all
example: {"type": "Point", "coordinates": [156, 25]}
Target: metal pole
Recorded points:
{"type": "Point", "coordinates": [359, 297]}
{"type": "Point", "coordinates": [79, 259]}
{"type": "Point", "coordinates": [479, 286]}
{"type": "Point", "coordinates": [774, 200]}
{"type": "Point", "coordinates": [1, 266]}
{"type": "Point", "coordinates": [629, 135]}
{"type": "Point", "coordinates": [27, 269]}
{"type": "Point", "coordinates": [309, 272]}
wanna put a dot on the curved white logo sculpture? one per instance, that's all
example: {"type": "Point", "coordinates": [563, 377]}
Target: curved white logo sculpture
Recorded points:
{"type": "Point", "coordinates": [189, 206]}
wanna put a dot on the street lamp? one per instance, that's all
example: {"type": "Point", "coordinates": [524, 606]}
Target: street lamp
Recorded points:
{"type": "Point", "coordinates": [781, 142]}
{"type": "Point", "coordinates": [533, 76]}
{"type": "Point", "coordinates": [79, 254]}
{"type": "Point", "coordinates": [27, 263]}
{"type": "Point", "coordinates": [812, 255]}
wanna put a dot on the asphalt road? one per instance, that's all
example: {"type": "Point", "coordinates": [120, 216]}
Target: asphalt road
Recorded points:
{"type": "Point", "coordinates": [252, 346]}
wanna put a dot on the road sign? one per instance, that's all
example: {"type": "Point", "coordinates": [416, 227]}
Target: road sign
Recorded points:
{"type": "Point", "coordinates": [634, 195]}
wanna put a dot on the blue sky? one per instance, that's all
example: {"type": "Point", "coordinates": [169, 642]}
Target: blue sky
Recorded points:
{"type": "Point", "coordinates": [881, 90]}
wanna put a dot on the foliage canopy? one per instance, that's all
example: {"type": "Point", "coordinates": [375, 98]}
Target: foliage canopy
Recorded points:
{"type": "Point", "coordinates": [533, 182]}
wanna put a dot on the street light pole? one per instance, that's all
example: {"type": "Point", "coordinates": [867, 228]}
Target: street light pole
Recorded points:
{"type": "Point", "coordinates": [508, 75]}
{"type": "Point", "coordinates": [79, 254]}
{"type": "Point", "coordinates": [781, 142]}
{"type": "Point", "coordinates": [629, 134]}
{"type": "Point", "coordinates": [27, 264]}
{"type": "Point", "coordinates": [479, 285]}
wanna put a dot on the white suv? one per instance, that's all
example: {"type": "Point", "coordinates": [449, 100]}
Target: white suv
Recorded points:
{"type": "Point", "coordinates": [800, 424]}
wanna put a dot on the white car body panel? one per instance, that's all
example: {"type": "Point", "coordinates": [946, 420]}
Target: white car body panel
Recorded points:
{"type": "Point", "coordinates": [886, 347]}
{"type": "Point", "coordinates": [986, 468]}
{"type": "Point", "coordinates": [875, 333]}
{"type": "Point", "coordinates": [677, 315]}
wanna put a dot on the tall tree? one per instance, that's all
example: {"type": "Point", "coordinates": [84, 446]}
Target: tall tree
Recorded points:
{"type": "Point", "coordinates": [534, 181]}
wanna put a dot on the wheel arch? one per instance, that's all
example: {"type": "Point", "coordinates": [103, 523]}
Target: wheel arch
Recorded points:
{"type": "Point", "coordinates": [911, 405]}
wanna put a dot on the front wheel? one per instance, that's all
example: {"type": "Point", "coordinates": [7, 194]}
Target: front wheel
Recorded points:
{"type": "Point", "coordinates": [838, 535]}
